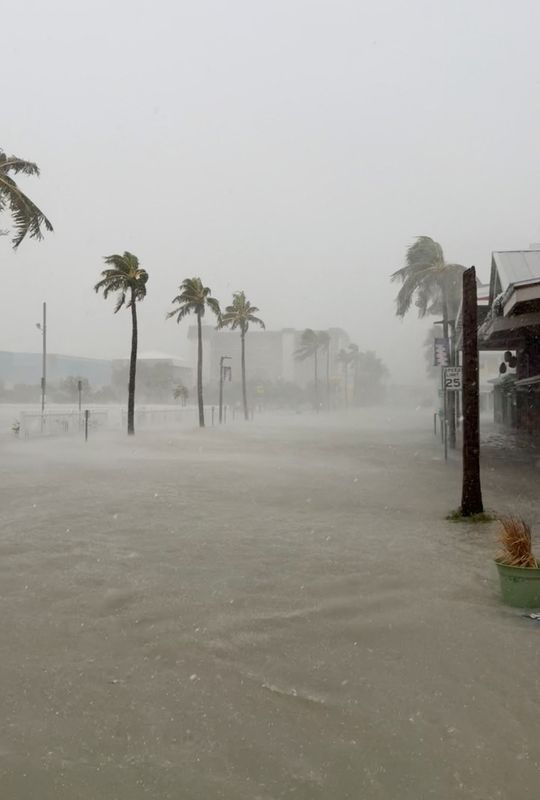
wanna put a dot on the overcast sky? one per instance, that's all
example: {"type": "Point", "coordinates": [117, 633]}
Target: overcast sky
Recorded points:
{"type": "Point", "coordinates": [290, 148]}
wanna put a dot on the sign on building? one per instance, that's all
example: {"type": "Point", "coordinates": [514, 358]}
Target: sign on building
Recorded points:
{"type": "Point", "coordinates": [441, 352]}
{"type": "Point", "coordinates": [452, 379]}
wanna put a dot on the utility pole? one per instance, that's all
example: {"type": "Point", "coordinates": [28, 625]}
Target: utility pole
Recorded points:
{"type": "Point", "coordinates": [471, 497]}
{"type": "Point", "coordinates": [42, 326]}
{"type": "Point", "coordinates": [221, 379]}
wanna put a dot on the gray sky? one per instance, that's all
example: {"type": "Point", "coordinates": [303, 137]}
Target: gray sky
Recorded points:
{"type": "Point", "coordinates": [290, 148]}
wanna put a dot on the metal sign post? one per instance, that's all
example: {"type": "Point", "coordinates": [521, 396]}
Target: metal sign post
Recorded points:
{"type": "Point", "coordinates": [451, 382]}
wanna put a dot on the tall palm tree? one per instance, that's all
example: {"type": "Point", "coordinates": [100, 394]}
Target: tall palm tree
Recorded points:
{"type": "Point", "coordinates": [309, 348]}
{"type": "Point", "coordinates": [126, 277]}
{"type": "Point", "coordinates": [194, 298]}
{"type": "Point", "coordinates": [435, 286]}
{"type": "Point", "coordinates": [239, 315]}
{"type": "Point", "coordinates": [324, 345]}
{"type": "Point", "coordinates": [28, 219]}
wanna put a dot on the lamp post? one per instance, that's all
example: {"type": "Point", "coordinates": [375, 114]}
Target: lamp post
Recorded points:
{"type": "Point", "coordinates": [222, 370]}
{"type": "Point", "coordinates": [42, 326]}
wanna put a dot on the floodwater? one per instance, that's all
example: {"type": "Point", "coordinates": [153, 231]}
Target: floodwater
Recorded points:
{"type": "Point", "coordinates": [277, 610]}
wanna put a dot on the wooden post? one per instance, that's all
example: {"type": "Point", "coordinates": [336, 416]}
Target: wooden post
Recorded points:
{"type": "Point", "coordinates": [471, 497]}
{"type": "Point", "coordinates": [86, 415]}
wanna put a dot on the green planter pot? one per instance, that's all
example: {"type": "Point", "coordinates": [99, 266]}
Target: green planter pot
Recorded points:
{"type": "Point", "coordinates": [520, 586]}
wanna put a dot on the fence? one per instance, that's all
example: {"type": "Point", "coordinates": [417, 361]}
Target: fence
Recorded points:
{"type": "Point", "coordinates": [60, 423]}
{"type": "Point", "coordinates": [161, 417]}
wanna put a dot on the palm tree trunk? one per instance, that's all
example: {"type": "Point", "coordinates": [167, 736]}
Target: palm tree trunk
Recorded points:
{"type": "Point", "coordinates": [471, 497]}
{"type": "Point", "coordinates": [199, 371]}
{"type": "Point", "coordinates": [132, 368]}
{"type": "Point", "coordinates": [244, 391]}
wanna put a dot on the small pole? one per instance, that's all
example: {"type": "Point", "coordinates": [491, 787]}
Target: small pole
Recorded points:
{"type": "Point", "coordinates": [44, 359]}
{"type": "Point", "coordinates": [213, 410]}
{"type": "Point", "coordinates": [225, 414]}
{"type": "Point", "coordinates": [435, 424]}
{"type": "Point", "coordinates": [86, 416]}
{"type": "Point", "coordinates": [445, 417]}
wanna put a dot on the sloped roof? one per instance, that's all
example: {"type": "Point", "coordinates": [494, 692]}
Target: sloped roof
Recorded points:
{"type": "Point", "coordinates": [516, 266]}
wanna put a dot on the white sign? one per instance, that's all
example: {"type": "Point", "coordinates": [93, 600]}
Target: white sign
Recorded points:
{"type": "Point", "coordinates": [452, 379]}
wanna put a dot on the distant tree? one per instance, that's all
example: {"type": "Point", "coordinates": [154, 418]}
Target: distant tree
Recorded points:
{"type": "Point", "coordinates": [68, 389]}
{"type": "Point", "coordinates": [181, 393]}
{"type": "Point", "coordinates": [194, 298]}
{"type": "Point", "coordinates": [126, 277]}
{"type": "Point", "coordinates": [310, 345]}
{"type": "Point", "coordinates": [344, 358]}
{"type": "Point", "coordinates": [435, 286]}
{"type": "Point", "coordinates": [239, 315]}
{"type": "Point", "coordinates": [28, 219]}
{"type": "Point", "coordinates": [324, 346]}
{"type": "Point", "coordinates": [369, 373]}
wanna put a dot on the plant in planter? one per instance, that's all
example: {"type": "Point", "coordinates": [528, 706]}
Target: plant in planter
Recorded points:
{"type": "Point", "coordinates": [519, 572]}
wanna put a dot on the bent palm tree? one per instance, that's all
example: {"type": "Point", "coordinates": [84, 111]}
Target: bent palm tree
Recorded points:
{"type": "Point", "coordinates": [239, 315]}
{"type": "Point", "coordinates": [128, 279]}
{"type": "Point", "coordinates": [28, 219]}
{"type": "Point", "coordinates": [309, 348]}
{"type": "Point", "coordinates": [194, 298]}
{"type": "Point", "coordinates": [435, 286]}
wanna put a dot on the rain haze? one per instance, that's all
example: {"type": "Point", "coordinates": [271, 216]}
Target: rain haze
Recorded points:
{"type": "Point", "coordinates": [291, 552]}
{"type": "Point", "coordinates": [291, 149]}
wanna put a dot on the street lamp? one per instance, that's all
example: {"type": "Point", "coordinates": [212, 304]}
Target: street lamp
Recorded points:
{"type": "Point", "coordinates": [42, 326]}
{"type": "Point", "coordinates": [224, 373]}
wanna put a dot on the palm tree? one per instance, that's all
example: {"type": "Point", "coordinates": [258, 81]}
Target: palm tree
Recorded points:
{"type": "Point", "coordinates": [309, 348]}
{"type": "Point", "coordinates": [128, 279]}
{"type": "Point", "coordinates": [435, 286]}
{"type": "Point", "coordinates": [239, 315]}
{"type": "Point", "coordinates": [27, 217]}
{"type": "Point", "coordinates": [324, 344]}
{"type": "Point", "coordinates": [344, 358]}
{"type": "Point", "coordinates": [181, 393]}
{"type": "Point", "coordinates": [194, 298]}
{"type": "Point", "coordinates": [354, 359]}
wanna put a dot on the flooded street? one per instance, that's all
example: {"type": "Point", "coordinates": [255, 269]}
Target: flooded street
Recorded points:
{"type": "Point", "coordinates": [268, 611]}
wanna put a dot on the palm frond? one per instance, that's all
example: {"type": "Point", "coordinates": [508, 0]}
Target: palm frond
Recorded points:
{"type": "Point", "coordinates": [28, 219]}
{"type": "Point", "coordinates": [126, 276]}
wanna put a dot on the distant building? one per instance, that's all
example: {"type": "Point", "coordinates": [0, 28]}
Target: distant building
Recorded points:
{"type": "Point", "coordinates": [180, 370]}
{"type": "Point", "coordinates": [19, 368]}
{"type": "Point", "coordinates": [270, 355]}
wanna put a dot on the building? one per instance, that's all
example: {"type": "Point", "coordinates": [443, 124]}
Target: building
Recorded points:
{"type": "Point", "coordinates": [270, 355]}
{"type": "Point", "coordinates": [510, 323]}
{"type": "Point", "coordinates": [26, 368]}
{"type": "Point", "coordinates": [177, 368]}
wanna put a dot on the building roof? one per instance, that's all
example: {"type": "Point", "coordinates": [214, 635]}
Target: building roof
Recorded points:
{"type": "Point", "coordinates": [516, 266]}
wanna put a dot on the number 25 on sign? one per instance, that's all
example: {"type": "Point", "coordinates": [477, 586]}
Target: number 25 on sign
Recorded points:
{"type": "Point", "coordinates": [452, 379]}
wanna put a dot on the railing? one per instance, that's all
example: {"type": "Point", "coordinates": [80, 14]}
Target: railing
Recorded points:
{"type": "Point", "coordinates": [60, 423]}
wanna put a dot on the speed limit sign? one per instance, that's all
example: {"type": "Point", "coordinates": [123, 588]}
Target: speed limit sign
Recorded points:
{"type": "Point", "coordinates": [452, 379]}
